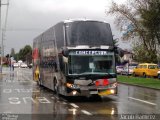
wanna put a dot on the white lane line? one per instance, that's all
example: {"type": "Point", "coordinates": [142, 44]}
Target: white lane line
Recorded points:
{"type": "Point", "coordinates": [86, 112]}
{"type": "Point", "coordinates": [74, 105]}
{"type": "Point", "coordinates": [142, 101]}
{"type": "Point", "coordinates": [73, 110]}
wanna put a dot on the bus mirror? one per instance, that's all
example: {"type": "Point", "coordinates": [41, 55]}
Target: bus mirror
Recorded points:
{"type": "Point", "coordinates": [65, 53]}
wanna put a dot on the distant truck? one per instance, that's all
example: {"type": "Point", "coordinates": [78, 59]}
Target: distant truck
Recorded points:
{"type": "Point", "coordinates": [76, 58]}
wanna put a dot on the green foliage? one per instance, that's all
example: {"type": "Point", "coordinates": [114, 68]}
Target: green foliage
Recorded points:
{"type": "Point", "coordinates": [151, 19]}
{"type": "Point", "coordinates": [146, 82]}
{"type": "Point", "coordinates": [141, 55]}
{"type": "Point", "coordinates": [24, 52]}
{"type": "Point", "coordinates": [16, 56]}
{"type": "Point", "coordinates": [143, 17]}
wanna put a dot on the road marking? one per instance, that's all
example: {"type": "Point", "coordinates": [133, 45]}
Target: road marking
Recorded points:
{"type": "Point", "coordinates": [73, 110]}
{"type": "Point", "coordinates": [7, 90]}
{"type": "Point", "coordinates": [29, 99]}
{"type": "Point", "coordinates": [142, 101]}
{"type": "Point", "coordinates": [14, 100]}
{"type": "Point", "coordinates": [43, 100]}
{"type": "Point", "coordinates": [86, 112]}
{"type": "Point", "coordinates": [74, 105]}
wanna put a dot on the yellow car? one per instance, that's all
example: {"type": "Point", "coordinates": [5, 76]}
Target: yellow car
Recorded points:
{"type": "Point", "coordinates": [146, 70]}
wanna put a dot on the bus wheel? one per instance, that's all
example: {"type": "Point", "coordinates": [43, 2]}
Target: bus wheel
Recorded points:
{"type": "Point", "coordinates": [158, 76]}
{"type": "Point", "coordinates": [54, 85]}
{"type": "Point", "coordinates": [38, 80]}
{"type": "Point", "coordinates": [56, 89]}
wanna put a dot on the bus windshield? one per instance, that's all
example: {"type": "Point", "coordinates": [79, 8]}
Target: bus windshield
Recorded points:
{"type": "Point", "coordinates": [91, 64]}
{"type": "Point", "coordinates": [88, 33]}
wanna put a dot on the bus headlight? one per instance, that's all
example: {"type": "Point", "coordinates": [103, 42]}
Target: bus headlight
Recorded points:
{"type": "Point", "coordinates": [73, 86]}
{"type": "Point", "coordinates": [74, 92]}
{"type": "Point", "coordinates": [112, 91]}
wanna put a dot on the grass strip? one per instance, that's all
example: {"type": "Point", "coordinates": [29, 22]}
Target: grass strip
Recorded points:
{"type": "Point", "coordinates": [146, 82]}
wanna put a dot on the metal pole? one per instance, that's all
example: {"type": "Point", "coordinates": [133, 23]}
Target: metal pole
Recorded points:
{"type": "Point", "coordinates": [1, 38]}
{"type": "Point", "coordinates": [4, 30]}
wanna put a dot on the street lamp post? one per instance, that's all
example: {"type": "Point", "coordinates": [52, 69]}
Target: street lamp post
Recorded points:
{"type": "Point", "coordinates": [1, 39]}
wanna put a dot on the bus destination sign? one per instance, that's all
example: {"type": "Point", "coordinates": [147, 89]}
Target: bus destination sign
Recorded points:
{"type": "Point", "coordinates": [91, 52]}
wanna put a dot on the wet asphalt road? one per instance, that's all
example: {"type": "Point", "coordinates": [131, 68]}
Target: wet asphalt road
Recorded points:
{"type": "Point", "coordinates": [22, 99]}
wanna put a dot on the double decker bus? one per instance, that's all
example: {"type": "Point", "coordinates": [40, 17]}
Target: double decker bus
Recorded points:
{"type": "Point", "coordinates": [76, 58]}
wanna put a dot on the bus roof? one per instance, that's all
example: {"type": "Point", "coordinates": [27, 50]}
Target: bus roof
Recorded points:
{"type": "Point", "coordinates": [82, 19]}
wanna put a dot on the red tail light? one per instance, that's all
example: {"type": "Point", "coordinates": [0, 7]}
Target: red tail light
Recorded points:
{"type": "Point", "coordinates": [105, 82]}
{"type": "Point", "coordinates": [97, 83]}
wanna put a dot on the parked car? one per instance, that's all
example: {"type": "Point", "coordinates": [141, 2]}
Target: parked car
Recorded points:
{"type": "Point", "coordinates": [127, 70]}
{"type": "Point", "coordinates": [119, 69]}
{"type": "Point", "coordinates": [23, 65]}
{"type": "Point", "coordinates": [146, 70]}
{"type": "Point", "coordinates": [16, 65]}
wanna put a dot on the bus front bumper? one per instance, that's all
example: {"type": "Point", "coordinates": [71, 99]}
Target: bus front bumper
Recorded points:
{"type": "Point", "coordinates": [96, 91]}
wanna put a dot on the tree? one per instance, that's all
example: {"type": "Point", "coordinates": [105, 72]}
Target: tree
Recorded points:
{"type": "Point", "coordinates": [16, 56]}
{"type": "Point", "coordinates": [138, 19]}
{"type": "Point", "coordinates": [25, 54]}
{"type": "Point", "coordinates": [21, 54]}
{"type": "Point", "coordinates": [151, 19]}
{"type": "Point", "coordinates": [140, 55]}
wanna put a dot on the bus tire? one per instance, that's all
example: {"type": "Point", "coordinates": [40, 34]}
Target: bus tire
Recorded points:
{"type": "Point", "coordinates": [54, 85]}
{"type": "Point", "coordinates": [56, 88]}
{"type": "Point", "coordinates": [158, 76]}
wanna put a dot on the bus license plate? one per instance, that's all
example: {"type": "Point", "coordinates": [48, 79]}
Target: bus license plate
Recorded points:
{"type": "Point", "coordinates": [93, 92]}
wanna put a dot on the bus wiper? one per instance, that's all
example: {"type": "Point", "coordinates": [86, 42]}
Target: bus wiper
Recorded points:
{"type": "Point", "coordinates": [109, 74]}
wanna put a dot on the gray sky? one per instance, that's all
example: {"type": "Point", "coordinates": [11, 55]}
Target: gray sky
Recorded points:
{"type": "Point", "coordinates": [29, 18]}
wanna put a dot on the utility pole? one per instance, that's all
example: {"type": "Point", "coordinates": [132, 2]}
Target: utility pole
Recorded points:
{"type": "Point", "coordinates": [1, 36]}
{"type": "Point", "coordinates": [1, 39]}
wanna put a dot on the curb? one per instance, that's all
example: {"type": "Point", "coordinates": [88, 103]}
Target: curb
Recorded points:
{"type": "Point", "coordinates": [138, 86]}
